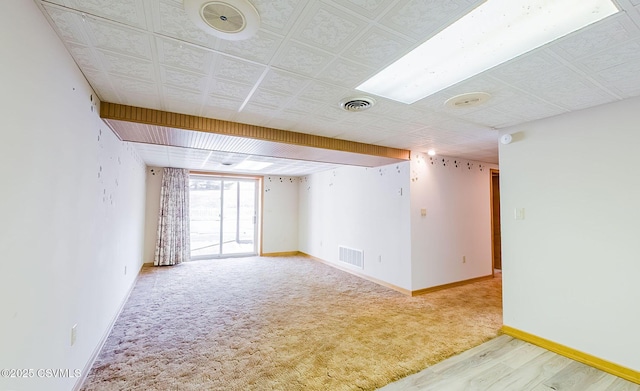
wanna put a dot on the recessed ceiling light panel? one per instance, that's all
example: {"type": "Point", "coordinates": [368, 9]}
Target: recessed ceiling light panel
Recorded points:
{"type": "Point", "coordinates": [493, 33]}
{"type": "Point", "coordinates": [232, 20]}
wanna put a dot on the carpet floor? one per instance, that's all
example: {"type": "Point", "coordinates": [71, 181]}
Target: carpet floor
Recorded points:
{"type": "Point", "coordinates": [286, 323]}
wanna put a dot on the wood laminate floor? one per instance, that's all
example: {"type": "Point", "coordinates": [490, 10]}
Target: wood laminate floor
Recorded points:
{"type": "Point", "coordinates": [509, 364]}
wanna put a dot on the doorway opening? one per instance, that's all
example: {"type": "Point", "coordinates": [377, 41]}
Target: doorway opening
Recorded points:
{"type": "Point", "coordinates": [223, 216]}
{"type": "Point", "coordinates": [496, 246]}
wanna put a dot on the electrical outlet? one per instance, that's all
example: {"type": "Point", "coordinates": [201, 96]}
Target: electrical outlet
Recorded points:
{"type": "Point", "coordinates": [125, 270]}
{"type": "Point", "coordinates": [73, 334]}
{"type": "Point", "coordinates": [379, 258]}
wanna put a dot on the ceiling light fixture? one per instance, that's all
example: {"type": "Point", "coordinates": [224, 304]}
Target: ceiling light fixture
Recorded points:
{"type": "Point", "coordinates": [232, 20]}
{"type": "Point", "coordinates": [493, 33]}
{"type": "Point", "coordinates": [431, 152]}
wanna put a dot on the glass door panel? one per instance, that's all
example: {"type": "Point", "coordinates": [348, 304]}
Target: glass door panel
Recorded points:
{"type": "Point", "coordinates": [205, 214]}
{"type": "Point", "coordinates": [223, 217]}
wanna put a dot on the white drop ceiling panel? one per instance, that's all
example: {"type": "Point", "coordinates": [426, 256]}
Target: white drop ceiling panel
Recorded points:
{"type": "Point", "coordinates": [310, 54]}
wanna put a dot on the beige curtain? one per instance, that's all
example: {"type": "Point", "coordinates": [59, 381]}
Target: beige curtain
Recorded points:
{"type": "Point", "coordinates": [173, 246]}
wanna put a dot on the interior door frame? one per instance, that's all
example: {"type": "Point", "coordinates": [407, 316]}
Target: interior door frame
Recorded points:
{"type": "Point", "coordinates": [258, 218]}
{"type": "Point", "coordinates": [493, 173]}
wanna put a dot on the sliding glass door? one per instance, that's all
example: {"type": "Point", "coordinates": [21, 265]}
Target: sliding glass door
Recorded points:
{"type": "Point", "coordinates": [224, 215]}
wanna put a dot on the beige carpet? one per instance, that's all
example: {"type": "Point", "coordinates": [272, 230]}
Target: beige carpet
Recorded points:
{"type": "Point", "coordinates": [284, 324]}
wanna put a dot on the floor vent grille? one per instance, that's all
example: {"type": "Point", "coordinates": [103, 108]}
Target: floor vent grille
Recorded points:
{"type": "Point", "coordinates": [351, 256]}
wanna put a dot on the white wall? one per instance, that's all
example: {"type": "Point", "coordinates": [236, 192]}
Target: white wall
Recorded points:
{"type": "Point", "coordinates": [571, 267]}
{"type": "Point", "coordinates": [154, 186]}
{"type": "Point", "coordinates": [456, 194]}
{"type": "Point", "coordinates": [359, 208]}
{"type": "Point", "coordinates": [71, 207]}
{"type": "Point", "coordinates": [280, 214]}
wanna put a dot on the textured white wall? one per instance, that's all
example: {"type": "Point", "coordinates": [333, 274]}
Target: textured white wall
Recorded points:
{"type": "Point", "coordinates": [280, 214]}
{"type": "Point", "coordinates": [571, 267]}
{"type": "Point", "coordinates": [71, 206]}
{"type": "Point", "coordinates": [456, 194]}
{"type": "Point", "coordinates": [154, 186]}
{"type": "Point", "coordinates": [359, 208]}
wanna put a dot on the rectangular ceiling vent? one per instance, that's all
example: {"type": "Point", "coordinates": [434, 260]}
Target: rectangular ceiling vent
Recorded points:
{"type": "Point", "coordinates": [351, 256]}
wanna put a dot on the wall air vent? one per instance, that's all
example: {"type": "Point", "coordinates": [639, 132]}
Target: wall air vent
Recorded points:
{"type": "Point", "coordinates": [351, 256]}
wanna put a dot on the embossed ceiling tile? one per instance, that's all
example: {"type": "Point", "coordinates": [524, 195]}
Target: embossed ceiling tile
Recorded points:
{"type": "Point", "coordinates": [368, 136]}
{"type": "Point", "coordinates": [237, 70]}
{"type": "Point", "coordinates": [302, 59]}
{"type": "Point", "coordinates": [624, 78]}
{"type": "Point", "coordinates": [368, 8]}
{"type": "Point", "coordinates": [142, 100]}
{"type": "Point", "coordinates": [422, 19]}
{"type": "Point", "coordinates": [334, 114]}
{"type": "Point", "coordinates": [183, 55]}
{"type": "Point", "coordinates": [223, 88]}
{"type": "Point", "coordinates": [182, 107]}
{"type": "Point", "coordinates": [395, 110]}
{"type": "Point", "coordinates": [377, 48]}
{"type": "Point", "coordinates": [260, 48]}
{"type": "Point", "coordinates": [480, 83]}
{"type": "Point", "coordinates": [599, 36]}
{"type": "Point", "coordinates": [182, 95]}
{"type": "Point", "coordinates": [402, 141]}
{"type": "Point", "coordinates": [170, 19]}
{"type": "Point", "coordinates": [83, 56]}
{"type": "Point", "coordinates": [269, 99]}
{"type": "Point", "coordinates": [135, 86]}
{"type": "Point", "coordinates": [99, 81]}
{"type": "Point", "coordinates": [567, 89]}
{"type": "Point", "coordinates": [317, 90]}
{"type": "Point", "coordinates": [117, 64]}
{"type": "Point", "coordinates": [180, 78]}
{"type": "Point", "coordinates": [120, 39]}
{"type": "Point", "coordinates": [489, 117]}
{"type": "Point", "coordinates": [106, 94]}
{"type": "Point", "coordinates": [279, 15]}
{"type": "Point", "coordinates": [284, 82]}
{"type": "Point", "coordinates": [293, 116]}
{"type": "Point", "coordinates": [69, 25]}
{"type": "Point", "coordinates": [305, 106]}
{"type": "Point", "coordinates": [328, 28]}
{"type": "Point", "coordinates": [223, 103]}
{"type": "Point", "coordinates": [432, 102]}
{"type": "Point", "coordinates": [283, 124]}
{"type": "Point", "coordinates": [252, 119]}
{"type": "Point", "coordinates": [526, 67]}
{"type": "Point", "coordinates": [628, 52]}
{"type": "Point", "coordinates": [252, 109]}
{"type": "Point", "coordinates": [346, 73]}
{"type": "Point", "coordinates": [124, 11]}
{"type": "Point", "coordinates": [219, 113]}
{"type": "Point", "coordinates": [529, 107]}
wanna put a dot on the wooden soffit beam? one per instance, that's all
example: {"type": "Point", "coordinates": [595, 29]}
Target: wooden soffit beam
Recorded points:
{"type": "Point", "coordinates": [149, 126]}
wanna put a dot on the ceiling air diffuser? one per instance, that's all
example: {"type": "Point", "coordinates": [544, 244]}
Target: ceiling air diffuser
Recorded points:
{"type": "Point", "coordinates": [232, 20]}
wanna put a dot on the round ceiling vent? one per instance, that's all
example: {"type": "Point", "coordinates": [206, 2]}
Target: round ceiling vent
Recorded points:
{"type": "Point", "coordinates": [359, 103]}
{"type": "Point", "coordinates": [232, 20]}
{"type": "Point", "coordinates": [467, 100]}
